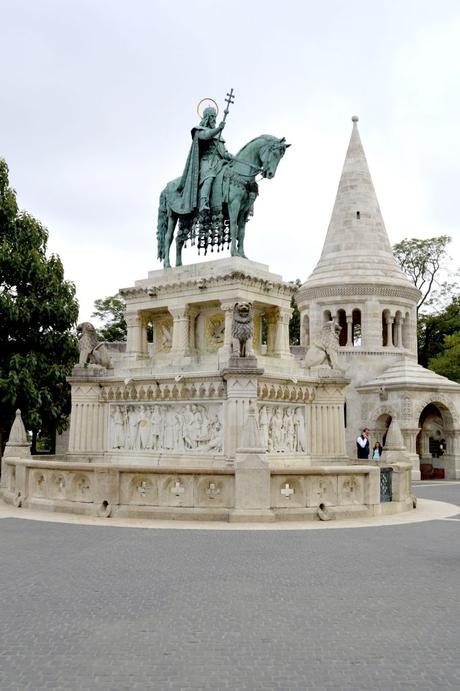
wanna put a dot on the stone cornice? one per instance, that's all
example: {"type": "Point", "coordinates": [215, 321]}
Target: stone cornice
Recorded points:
{"type": "Point", "coordinates": [202, 284]}
{"type": "Point", "coordinates": [357, 289]}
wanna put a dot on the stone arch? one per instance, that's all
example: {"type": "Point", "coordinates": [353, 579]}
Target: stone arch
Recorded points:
{"type": "Point", "coordinates": [446, 407]}
{"type": "Point", "coordinates": [356, 329]}
{"type": "Point", "coordinates": [386, 331]}
{"type": "Point", "coordinates": [388, 410]}
{"type": "Point", "coordinates": [327, 316]}
{"type": "Point", "coordinates": [341, 319]}
{"type": "Point", "coordinates": [397, 329]}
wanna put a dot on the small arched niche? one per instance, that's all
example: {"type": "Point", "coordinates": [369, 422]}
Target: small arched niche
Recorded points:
{"type": "Point", "coordinates": [342, 322]}
{"type": "Point", "coordinates": [356, 328]}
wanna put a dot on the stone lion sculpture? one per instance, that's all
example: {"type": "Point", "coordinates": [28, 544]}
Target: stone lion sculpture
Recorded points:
{"type": "Point", "coordinates": [92, 351]}
{"type": "Point", "coordinates": [243, 325]}
{"type": "Point", "coordinates": [324, 351]}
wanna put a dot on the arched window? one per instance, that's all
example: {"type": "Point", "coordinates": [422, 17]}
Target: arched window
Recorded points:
{"type": "Point", "coordinates": [342, 322]}
{"type": "Point", "coordinates": [356, 328]}
{"type": "Point", "coordinates": [327, 316]}
{"type": "Point", "coordinates": [387, 335]}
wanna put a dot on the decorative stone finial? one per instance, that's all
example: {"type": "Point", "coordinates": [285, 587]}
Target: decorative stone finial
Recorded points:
{"type": "Point", "coordinates": [394, 439]}
{"type": "Point", "coordinates": [17, 444]}
{"type": "Point", "coordinates": [354, 118]}
{"type": "Point", "coordinates": [18, 434]}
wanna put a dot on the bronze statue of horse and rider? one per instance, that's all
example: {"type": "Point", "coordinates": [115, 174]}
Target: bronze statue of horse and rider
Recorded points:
{"type": "Point", "coordinates": [214, 198]}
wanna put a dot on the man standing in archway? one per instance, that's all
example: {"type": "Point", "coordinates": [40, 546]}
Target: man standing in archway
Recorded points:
{"type": "Point", "coordinates": [362, 444]}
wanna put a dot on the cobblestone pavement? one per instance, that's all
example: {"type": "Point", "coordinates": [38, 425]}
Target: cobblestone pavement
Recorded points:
{"type": "Point", "coordinates": [96, 608]}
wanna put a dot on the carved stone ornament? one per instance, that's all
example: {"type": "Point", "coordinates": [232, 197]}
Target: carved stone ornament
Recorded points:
{"type": "Point", "coordinates": [163, 335]}
{"type": "Point", "coordinates": [243, 325]}
{"type": "Point", "coordinates": [324, 350]}
{"type": "Point", "coordinates": [215, 330]}
{"type": "Point", "coordinates": [166, 427]}
{"type": "Point", "coordinates": [282, 428]}
{"type": "Point", "coordinates": [92, 351]}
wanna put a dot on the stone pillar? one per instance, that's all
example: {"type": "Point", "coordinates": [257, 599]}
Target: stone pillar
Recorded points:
{"type": "Point", "coordinates": [226, 350]}
{"type": "Point", "coordinates": [389, 326]}
{"type": "Point", "coordinates": [399, 338]}
{"type": "Point", "coordinates": [282, 333]}
{"type": "Point", "coordinates": [371, 325]}
{"type": "Point", "coordinates": [272, 319]}
{"type": "Point", "coordinates": [410, 442]}
{"type": "Point", "coordinates": [87, 419]}
{"type": "Point", "coordinates": [241, 393]}
{"type": "Point", "coordinates": [180, 346]}
{"type": "Point", "coordinates": [134, 335]}
{"type": "Point", "coordinates": [349, 330]}
{"type": "Point", "coordinates": [192, 315]}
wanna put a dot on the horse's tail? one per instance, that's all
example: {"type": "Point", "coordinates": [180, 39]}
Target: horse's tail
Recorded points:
{"type": "Point", "coordinates": [162, 225]}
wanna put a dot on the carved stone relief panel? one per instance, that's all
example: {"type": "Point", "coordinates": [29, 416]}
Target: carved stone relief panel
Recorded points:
{"type": "Point", "coordinates": [214, 331]}
{"type": "Point", "coordinates": [57, 485]}
{"type": "Point", "coordinates": [175, 490]}
{"type": "Point", "coordinates": [38, 484]}
{"type": "Point", "coordinates": [351, 489]}
{"type": "Point", "coordinates": [166, 427]}
{"type": "Point", "coordinates": [282, 428]}
{"type": "Point", "coordinates": [287, 491]}
{"type": "Point", "coordinates": [214, 491]}
{"type": "Point", "coordinates": [81, 489]}
{"type": "Point", "coordinates": [163, 334]}
{"type": "Point", "coordinates": [139, 489]}
{"type": "Point", "coordinates": [322, 489]}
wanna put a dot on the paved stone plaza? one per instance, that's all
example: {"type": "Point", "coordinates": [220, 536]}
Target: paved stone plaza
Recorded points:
{"type": "Point", "coordinates": [115, 608]}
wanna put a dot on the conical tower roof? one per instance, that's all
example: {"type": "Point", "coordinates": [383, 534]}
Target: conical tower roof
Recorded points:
{"type": "Point", "coordinates": [357, 248]}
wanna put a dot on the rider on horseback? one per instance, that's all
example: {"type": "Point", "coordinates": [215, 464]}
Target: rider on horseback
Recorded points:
{"type": "Point", "coordinates": [205, 160]}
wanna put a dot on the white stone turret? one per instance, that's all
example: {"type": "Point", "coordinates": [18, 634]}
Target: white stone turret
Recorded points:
{"type": "Point", "coordinates": [357, 281]}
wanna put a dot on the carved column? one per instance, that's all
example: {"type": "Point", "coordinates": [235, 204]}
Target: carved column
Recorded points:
{"type": "Point", "coordinates": [349, 330]}
{"type": "Point", "coordinates": [227, 308]}
{"type": "Point", "coordinates": [282, 333]}
{"type": "Point", "coordinates": [180, 337]}
{"type": "Point", "coordinates": [272, 319]}
{"type": "Point", "coordinates": [399, 339]}
{"type": "Point", "coordinates": [193, 312]}
{"type": "Point", "coordinates": [389, 326]}
{"type": "Point", "coordinates": [134, 335]}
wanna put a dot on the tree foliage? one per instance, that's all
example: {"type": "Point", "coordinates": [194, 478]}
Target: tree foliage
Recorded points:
{"type": "Point", "coordinates": [447, 363]}
{"type": "Point", "coordinates": [433, 328]}
{"type": "Point", "coordinates": [294, 322]}
{"type": "Point", "coordinates": [111, 312]}
{"type": "Point", "coordinates": [423, 261]}
{"type": "Point", "coordinates": [38, 313]}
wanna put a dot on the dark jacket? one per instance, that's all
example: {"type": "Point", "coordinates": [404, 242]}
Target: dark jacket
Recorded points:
{"type": "Point", "coordinates": [362, 452]}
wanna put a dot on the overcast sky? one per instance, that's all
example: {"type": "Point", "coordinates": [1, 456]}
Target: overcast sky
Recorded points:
{"type": "Point", "coordinates": [98, 98]}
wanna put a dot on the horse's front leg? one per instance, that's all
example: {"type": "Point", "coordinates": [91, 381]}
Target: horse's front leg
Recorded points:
{"type": "Point", "coordinates": [233, 211]}
{"type": "Point", "coordinates": [179, 246]}
{"type": "Point", "coordinates": [241, 234]}
{"type": "Point", "coordinates": [169, 238]}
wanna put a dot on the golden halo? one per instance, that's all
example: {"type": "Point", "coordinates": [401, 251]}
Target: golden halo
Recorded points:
{"type": "Point", "coordinates": [202, 101]}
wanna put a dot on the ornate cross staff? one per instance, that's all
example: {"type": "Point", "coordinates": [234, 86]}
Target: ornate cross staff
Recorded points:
{"type": "Point", "coordinates": [229, 100]}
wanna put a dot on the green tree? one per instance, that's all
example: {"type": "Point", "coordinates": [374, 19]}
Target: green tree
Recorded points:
{"type": "Point", "coordinates": [433, 328]}
{"type": "Point", "coordinates": [423, 261]}
{"type": "Point", "coordinates": [294, 322]}
{"type": "Point", "coordinates": [111, 312]}
{"type": "Point", "coordinates": [38, 313]}
{"type": "Point", "coordinates": [447, 363]}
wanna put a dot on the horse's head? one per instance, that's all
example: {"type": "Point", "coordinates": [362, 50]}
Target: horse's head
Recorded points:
{"type": "Point", "coordinates": [271, 154]}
